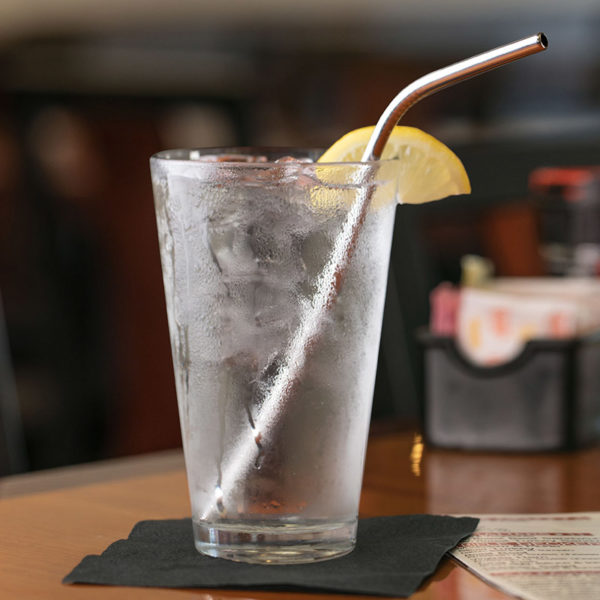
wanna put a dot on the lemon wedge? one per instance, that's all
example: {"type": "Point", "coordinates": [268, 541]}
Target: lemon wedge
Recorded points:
{"type": "Point", "coordinates": [427, 170]}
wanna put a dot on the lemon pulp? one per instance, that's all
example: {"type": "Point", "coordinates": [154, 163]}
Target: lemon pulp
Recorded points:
{"type": "Point", "coordinates": [427, 170]}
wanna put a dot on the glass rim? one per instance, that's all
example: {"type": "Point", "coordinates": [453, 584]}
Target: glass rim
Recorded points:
{"type": "Point", "coordinates": [173, 156]}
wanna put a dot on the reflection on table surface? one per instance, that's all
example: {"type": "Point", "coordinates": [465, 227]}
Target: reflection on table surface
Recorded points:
{"type": "Point", "coordinates": [403, 474]}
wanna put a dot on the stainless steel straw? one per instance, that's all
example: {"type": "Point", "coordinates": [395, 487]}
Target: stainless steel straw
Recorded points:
{"type": "Point", "coordinates": [443, 78]}
{"type": "Point", "coordinates": [330, 279]}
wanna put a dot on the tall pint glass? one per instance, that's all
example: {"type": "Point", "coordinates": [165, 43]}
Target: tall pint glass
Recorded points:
{"type": "Point", "coordinates": [274, 435]}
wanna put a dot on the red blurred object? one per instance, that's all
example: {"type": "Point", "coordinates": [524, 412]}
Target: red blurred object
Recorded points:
{"type": "Point", "coordinates": [444, 301]}
{"type": "Point", "coordinates": [574, 181]}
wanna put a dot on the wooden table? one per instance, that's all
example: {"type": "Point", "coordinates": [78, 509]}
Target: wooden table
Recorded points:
{"type": "Point", "coordinates": [50, 520]}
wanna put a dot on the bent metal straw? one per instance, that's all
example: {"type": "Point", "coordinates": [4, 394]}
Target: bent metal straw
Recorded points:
{"type": "Point", "coordinates": [330, 279]}
{"type": "Point", "coordinates": [443, 78]}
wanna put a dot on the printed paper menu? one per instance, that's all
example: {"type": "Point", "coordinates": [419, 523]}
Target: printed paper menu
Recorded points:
{"type": "Point", "coordinates": [537, 557]}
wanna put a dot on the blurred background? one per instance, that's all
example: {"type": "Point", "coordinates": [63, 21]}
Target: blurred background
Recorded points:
{"type": "Point", "coordinates": [89, 90]}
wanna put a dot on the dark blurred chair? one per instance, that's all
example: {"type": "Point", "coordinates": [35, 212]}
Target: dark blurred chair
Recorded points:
{"type": "Point", "coordinates": [12, 445]}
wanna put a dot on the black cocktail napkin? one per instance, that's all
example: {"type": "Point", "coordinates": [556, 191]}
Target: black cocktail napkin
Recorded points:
{"type": "Point", "coordinates": [393, 555]}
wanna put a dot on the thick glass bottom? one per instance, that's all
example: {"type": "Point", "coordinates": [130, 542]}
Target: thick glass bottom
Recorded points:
{"type": "Point", "coordinates": [263, 542]}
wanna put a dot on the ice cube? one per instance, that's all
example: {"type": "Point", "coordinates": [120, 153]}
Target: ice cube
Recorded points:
{"type": "Point", "coordinates": [293, 159]}
{"type": "Point", "coordinates": [235, 158]}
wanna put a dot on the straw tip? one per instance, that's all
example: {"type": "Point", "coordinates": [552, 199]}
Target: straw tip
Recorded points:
{"type": "Point", "coordinates": [543, 40]}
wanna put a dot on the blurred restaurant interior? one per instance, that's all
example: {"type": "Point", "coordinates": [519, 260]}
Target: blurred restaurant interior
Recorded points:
{"type": "Point", "coordinates": [89, 90]}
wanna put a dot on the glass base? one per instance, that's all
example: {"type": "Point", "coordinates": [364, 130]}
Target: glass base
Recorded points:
{"type": "Point", "coordinates": [263, 542]}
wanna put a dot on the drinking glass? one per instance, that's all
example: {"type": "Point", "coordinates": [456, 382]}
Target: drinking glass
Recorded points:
{"type": "Point", "coordinates": [274, 392]}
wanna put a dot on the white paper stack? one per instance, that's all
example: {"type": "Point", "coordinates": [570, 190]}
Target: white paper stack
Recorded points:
{"type": "Point", "coordinates": [494, 322]}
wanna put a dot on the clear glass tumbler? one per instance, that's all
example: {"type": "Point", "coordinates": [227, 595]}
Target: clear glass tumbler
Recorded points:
{"type": "Point", "coordinates": [274, 389]}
